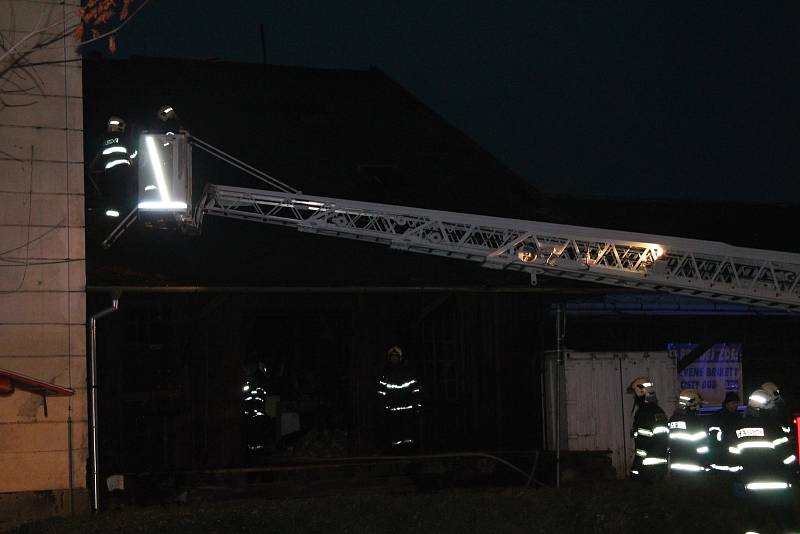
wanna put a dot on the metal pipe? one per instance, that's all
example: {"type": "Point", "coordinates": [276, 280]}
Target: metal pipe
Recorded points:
{"type": "Point", "coordinates": [301, 463]}
{"type": "Point", "coordinates": [543, 395]}
{"type": "Point", "coordinates": [559, 358]}
{"type": "Point", "coordinates": [348, 289]}
{"type": "Point", "coordinates": [239, 164]}
{"type": "Point", "coordinates": [70, 464]}
{"type": "Point", "coordinates": [93, 402]}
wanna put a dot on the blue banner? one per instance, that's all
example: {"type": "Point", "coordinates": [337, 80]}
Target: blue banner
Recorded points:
{"type": "Point", "coordinates": [713, 374]}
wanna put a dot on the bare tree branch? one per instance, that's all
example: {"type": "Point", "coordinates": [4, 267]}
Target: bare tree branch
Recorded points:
{"type": "Point", "coordinates": [118, 28]}
{"type": "Point", "coordinates": [17, 87]}
{"type": "Point", "coordinates": [30, 35]}
{"type": "Point", "coordinates": [4, 104]}
{"type": "Point", "coordinates": [15, 57]}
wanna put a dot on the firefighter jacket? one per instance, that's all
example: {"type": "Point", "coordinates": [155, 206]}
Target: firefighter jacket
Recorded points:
{"type": "Point", "coordinates": [650, 439]}
{"type": "Point", "coordinates": [763, 453]}
{"type": "Point", "coordinates": [399, 394]}
{"type": "Point", "coordinates": [780, 415]}
{"type": "Point", "coordinates": [259, 426]}
{"type": "Point", "coordinates": [115, 151]}
{"type": "Point", "coordinates": [688, 442]}
{"type": "Point", "coordinates": [722, 426]}
{"type": "Point", "coordinates": [399, 390]}
{"type": "Point", "coordinates": [115, 182]}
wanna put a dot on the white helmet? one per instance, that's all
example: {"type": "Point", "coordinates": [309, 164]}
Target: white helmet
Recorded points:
{"type": "Point", "coordinates": [760, 399]}
{"type": "Point", "coordinates": [115, 124]}
{"type": "Point", "coordinates": [166, 113]}
{"type": "Point", "coordinates": [772, 388]}
{"type": "Point", "coordinates": [642, 387]}
{"type": "Point", "coordinates": [689, 399]}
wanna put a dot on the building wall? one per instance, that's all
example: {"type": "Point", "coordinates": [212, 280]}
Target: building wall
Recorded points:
{"type": "Point", "coordinates": [42, 265]}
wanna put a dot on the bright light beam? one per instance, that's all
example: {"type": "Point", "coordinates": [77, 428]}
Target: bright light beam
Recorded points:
{"type": "Point", "coordinates": [165, 203]}
{"type": "Point", "coordinates": [155, 161]}
{"type": "Point", "coordinates": [161, 205]}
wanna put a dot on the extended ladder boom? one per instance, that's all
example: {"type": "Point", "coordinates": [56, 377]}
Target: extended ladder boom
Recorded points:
{"type": "Point", "coordinates": [692, 267]}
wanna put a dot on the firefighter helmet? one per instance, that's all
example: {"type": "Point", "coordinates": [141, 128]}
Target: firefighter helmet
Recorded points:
{"type": "Point", "coordinates": [642, 387]}
{"type": "Point", "coordinates": [760, 399]}
{"type": "Point", "coordinates": [115, 125]}
{"type": "Point", "coordinates": [689, 399]}
{"type": "Point", "coordinates": [772, 388]}
{"type": "Point", "coordinates": [166, 113]}
{"type": "Point", "coordinates": [395, 351]}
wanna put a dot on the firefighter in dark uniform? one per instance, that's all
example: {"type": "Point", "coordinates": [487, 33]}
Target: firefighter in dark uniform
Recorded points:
{"type": "Point", "coordinates": [688, 437]}
{"type": "Point", "coordinates": [258, 425]}
{"type": "Point", "coordinates": [116, 183]}
{"type": "Point", "coordinates": [399, 394]}
{"type": "Point", "coordinates": [722, 425]}
{"type": "Point", "coordinates": [765, 458]}
{"type": "Point", "coordinates": [650, 432]}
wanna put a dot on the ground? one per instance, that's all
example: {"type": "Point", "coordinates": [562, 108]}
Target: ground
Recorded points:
{"type": "Point", "coordinates": [608, 507]}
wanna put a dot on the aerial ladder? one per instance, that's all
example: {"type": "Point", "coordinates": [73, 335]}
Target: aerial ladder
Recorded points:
{"type": "Point", "coordinates": [696, 268]}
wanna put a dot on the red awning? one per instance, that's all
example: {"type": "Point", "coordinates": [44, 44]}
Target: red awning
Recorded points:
{"type": "Point", "coordinates": [9, 380]}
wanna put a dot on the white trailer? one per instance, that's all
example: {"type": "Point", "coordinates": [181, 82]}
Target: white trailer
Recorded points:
{"type": "Point", "coordinates": [595, 410]}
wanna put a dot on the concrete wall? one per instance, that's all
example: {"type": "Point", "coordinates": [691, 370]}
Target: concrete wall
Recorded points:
{"type": "Point", "coordinates": [42, 260]}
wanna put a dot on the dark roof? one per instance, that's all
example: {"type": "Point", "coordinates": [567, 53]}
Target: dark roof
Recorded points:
{"type": "Point", "coordinates": [754, 225]}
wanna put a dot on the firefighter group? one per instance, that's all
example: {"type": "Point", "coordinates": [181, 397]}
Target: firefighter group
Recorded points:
{"type": "Point", "coordinates": [754, 450]}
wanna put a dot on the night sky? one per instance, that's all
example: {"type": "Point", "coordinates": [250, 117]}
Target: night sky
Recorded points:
{"type": "Point", "coordinates": [680, 101]}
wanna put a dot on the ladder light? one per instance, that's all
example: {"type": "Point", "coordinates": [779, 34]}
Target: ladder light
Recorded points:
{"type": "Point", "coordinates": [526, 254]}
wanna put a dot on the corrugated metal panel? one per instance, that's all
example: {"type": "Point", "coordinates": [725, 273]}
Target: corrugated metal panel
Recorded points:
{"type": "Point", "coordinates": [607, 392]}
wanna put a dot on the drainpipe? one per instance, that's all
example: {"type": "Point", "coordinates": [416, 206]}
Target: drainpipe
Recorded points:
{"type": "Point", "coordinates": [70, 465]}
{"type": "Point", "coordinates": [95, 456]}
